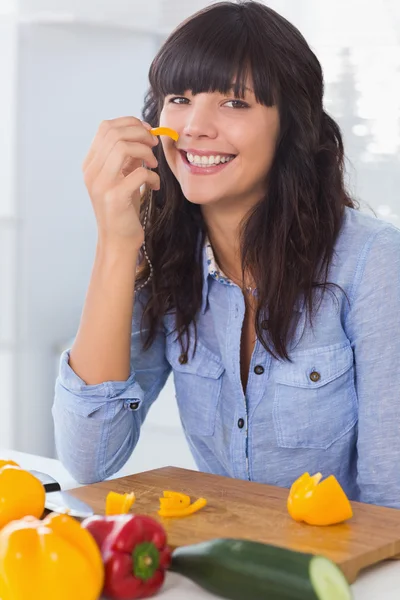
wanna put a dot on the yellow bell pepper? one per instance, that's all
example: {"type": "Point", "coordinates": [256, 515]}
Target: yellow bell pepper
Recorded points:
{"type": "Point", "coordinates": [53, 558]}
{"type": "Point", "coordinates": [165, 131]}
{"type": "Point", "coordinates": [119, 504]}
{"type": "Point", "coordinates": [318, 502]}
{"type": "Point", "coordinates": [21, 493]}
{"type": "Point", "coordinates": [175, 504]}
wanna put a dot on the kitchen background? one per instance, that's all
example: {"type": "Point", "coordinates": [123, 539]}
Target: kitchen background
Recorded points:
{"type": "Point", "coordinates": [65, 65]}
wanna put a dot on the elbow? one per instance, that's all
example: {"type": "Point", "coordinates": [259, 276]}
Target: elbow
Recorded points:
{"type": "Point", "coordinates": [84, 471]}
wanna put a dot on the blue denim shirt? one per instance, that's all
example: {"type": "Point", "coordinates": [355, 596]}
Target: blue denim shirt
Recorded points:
{"type": "Point", "coordinates": [335, 408]}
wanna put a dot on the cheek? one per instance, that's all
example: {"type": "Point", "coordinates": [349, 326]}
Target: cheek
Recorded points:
{"type": "Point", "coordinates": [171, 155]}
{"type": "Point", "coordinates": [169, 118]}
{"type": "Point", "coordinates": [258, 158]}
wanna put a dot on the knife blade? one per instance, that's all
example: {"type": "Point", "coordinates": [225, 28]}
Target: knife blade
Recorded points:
{"type": "Point", "coordinates": [59, 501]}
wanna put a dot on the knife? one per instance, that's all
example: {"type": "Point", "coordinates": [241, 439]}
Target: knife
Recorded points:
{"type": "Point", "coordinates": [59, 501]}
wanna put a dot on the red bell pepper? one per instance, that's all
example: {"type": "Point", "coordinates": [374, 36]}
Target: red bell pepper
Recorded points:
{"type": "Point", "coordinates": [135, 554]}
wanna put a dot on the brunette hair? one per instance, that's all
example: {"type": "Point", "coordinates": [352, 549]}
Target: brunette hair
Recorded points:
{"type": "Point", "coordinates": [287, 241]}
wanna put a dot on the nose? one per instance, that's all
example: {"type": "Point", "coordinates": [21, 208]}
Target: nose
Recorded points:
{"type": "Point", "coordinates": [200, 122]}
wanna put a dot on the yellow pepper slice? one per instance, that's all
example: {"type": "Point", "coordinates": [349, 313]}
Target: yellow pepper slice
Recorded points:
{"type": "Point", "coordinates": [182, 512]}
{"type": "Point", "coordinates": [318, 502]}
{"type": "Point", "coordinates": [165, 131]}
{"type": "Point", "coordinates": [119, 504]}
{"type": "Point", "coordinates": [174, 500]}
{"type": "Point", "coordinates": [21, 493]}
{"type": "Point", "coordinates": [55, 556]}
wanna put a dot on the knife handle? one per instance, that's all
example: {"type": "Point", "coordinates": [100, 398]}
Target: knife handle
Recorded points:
{"type": "Point", "coordinates": [49, 483]}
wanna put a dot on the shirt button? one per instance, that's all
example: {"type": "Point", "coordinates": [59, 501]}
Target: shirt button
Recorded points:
{"type": "Point", "coordinates": [241, 423]}
{"type": "Point", "coordinates": [315, 376]}
{"type": "Point", "coordinates": [134, 405]}
{"type": "Point", "coordinates": [258, 370]}
{"type": "Point", "coordinates": [264, 324]}
{"type": "Point", "coordinates": [183, 359]}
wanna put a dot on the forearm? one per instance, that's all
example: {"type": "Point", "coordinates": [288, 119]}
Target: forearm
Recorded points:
{"type": "Point", "coordinates": [101, 351]}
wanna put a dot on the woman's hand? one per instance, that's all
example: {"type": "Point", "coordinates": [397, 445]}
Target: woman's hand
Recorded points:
{"type": "Point", "coordinates": [114, 171]}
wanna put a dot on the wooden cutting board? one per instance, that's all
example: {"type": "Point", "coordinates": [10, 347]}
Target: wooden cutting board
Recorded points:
{"type": "Point", "coordinates": [242, 509]}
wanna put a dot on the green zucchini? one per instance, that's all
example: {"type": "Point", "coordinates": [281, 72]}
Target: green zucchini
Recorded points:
{"type": "Point", "coordinates": [246, 570]}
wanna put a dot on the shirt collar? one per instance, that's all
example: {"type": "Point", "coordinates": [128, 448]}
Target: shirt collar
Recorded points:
{"type": "Point", "coordinates": [211, 269]}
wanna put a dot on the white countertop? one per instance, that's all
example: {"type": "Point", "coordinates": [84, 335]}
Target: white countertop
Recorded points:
{"type": "Point", "coordinates": [381, 582]}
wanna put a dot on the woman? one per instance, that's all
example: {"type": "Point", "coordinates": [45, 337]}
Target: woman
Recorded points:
{"type": "Point", "coordinates": [271, 298]}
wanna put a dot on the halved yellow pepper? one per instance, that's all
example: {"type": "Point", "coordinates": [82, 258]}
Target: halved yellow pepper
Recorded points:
{"type": "Point", "coordinates": [119, 504]}
{"type": "Point", "coordinates": [318, 502]}
{"type": "Point", "coordinates": [21, 493]}
{"type": "Point", "coordinates": [56, 556]}
{"type": "Point", "coordinates": [175, 504]}
{"type": "Point", "coordinates": [165, 131]}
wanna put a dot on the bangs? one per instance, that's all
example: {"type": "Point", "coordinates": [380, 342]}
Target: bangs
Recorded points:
{"type": "Point", "coordinates": [217, 54]}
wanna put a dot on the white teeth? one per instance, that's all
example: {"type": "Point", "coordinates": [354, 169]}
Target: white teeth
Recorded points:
{"type": "Point", "coordinates": [206, 161]}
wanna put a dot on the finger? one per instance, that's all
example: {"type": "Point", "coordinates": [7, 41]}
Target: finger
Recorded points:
{"type": "Point", "coordinates": [135, 180]}
{"type": "Point", "coordinates": [133, 133]}
{"type": "Point", "coordinates": [105, 127]}
{"type": "Point", "coordinates": [128, 155]}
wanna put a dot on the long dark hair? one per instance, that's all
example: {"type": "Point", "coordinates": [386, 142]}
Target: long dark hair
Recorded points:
{"type": "Point", "coordinates": [287, 241]}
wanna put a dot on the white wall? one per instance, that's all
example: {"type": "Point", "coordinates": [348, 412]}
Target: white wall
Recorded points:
{"type": "Point", "coordinates": [8, 221]}
{"type": "Point", "coordinates": [70, 78]}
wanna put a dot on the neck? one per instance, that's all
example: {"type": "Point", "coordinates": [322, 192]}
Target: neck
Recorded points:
{"type": "Point", "coordinates": [223, 228]}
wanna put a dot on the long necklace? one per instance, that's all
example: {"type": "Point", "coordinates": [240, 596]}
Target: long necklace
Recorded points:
{"type": "Point", "coordinates": [245, 288]}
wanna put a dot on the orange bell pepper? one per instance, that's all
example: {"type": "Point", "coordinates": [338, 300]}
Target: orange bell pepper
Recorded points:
{"type": "Point", "coordinates": [21, 493]}
{"type": "Point", "coordinates": [165, 131]}
{"type": "Point", "coordinates": [175, 504]}
{"type": "Point", "coordinates": [318, 502]}
{"type": "Point", "coordinates": [56, 557]}
{"type": "Point", "coordinates": [119, 504]}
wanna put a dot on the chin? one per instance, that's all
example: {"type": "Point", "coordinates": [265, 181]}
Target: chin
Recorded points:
{"type": "Point", "coordinates": [201, 199]}
{"type": "Point", "coordinates": [198, 194]}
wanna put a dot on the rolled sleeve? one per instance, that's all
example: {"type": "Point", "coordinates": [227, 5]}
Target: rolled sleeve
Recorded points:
{"type": "Point", "coordinates": [97, 426]}
{"type": "Point", "coordinates": [86, 399]}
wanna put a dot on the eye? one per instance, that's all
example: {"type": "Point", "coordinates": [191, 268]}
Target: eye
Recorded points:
{"type": "Point", "coordinates": [178, 100]}
{"type": "Point", "coordinates": [237, 104]}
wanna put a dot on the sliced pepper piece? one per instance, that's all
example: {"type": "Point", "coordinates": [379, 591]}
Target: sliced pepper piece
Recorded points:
{"type": "Point", "coordinates": [318, 502]}
{"type": "Point", "coordinates": [119, 504]}
{"type": "Point", "coordinates": [174, 500]}
{"type": "Point", "coordinates": [183, 512]}
{"type": "Point", "coordinates": [165, 131]}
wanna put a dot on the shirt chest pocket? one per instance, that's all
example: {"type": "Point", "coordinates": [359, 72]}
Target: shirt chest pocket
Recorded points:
{"type": "Point", "coordinates": [315, 400]}
{"type": "Point", "coordinates": [198, 383]}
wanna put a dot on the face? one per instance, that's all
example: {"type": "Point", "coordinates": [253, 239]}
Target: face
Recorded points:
{"type": "Point", "coordinates": [225, 147]}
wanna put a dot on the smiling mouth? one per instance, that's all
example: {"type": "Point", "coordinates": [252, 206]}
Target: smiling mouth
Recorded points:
{"type": "Point", "coordinates": [209, 161]}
